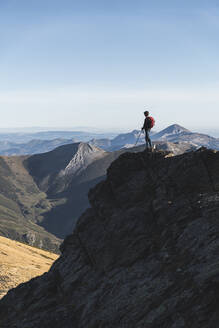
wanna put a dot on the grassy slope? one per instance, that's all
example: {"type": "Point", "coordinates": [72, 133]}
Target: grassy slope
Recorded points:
{"type": "Point", "coordinates": [19, 263]}
{"type": "Point", "coordinates": [22, 205]}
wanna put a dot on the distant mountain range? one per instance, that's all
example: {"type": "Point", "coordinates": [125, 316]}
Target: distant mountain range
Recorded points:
{"type": "Point", "coordinates": [21, 137]}
{"type": "Point", "coordinates": [173, 133]}
{"type": "Point", "coordinates": [34, 146]}
{"type": "Point", "coordinates": [176, 133]}
{"type": "Point", "coordinates": [124, 140]}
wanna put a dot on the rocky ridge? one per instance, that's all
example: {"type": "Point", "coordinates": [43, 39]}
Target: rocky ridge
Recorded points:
{"type": "Point", "coordinates": [144, 255]}
{"type": "Point", "coordinates": [84, 156]}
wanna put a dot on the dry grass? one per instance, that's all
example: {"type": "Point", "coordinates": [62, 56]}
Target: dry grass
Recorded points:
{"type": "Point", "coordinates": [20, 263]}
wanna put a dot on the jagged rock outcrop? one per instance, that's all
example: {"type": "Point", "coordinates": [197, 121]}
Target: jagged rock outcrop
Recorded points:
{"type": "Point", "coordinates": [144, 255]}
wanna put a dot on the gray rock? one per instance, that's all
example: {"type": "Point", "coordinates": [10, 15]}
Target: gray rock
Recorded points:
{"type": "Point", "coordinates": [144, 255]}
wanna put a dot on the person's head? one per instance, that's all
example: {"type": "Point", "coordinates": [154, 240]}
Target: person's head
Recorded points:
{"type": "Point", "coordinates": [146, 113]}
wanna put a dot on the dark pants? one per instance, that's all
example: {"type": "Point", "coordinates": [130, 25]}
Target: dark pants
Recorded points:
{"type": "Point", "coordinates": [147, 138]}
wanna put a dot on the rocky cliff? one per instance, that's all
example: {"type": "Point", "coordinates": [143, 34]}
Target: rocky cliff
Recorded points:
{"type": "Point", "coordinates": [144, 255]}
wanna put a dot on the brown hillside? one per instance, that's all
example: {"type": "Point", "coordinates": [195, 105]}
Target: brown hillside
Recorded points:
{"type": "Point", "coordinates": [19, 263]}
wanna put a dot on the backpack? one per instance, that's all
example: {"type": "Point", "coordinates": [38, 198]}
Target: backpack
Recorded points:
{"type": "Point", "coordinates": [151, 122]}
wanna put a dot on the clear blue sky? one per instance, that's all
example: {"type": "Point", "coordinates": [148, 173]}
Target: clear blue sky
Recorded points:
{"type": "Point", "coordinates": [100, 63]}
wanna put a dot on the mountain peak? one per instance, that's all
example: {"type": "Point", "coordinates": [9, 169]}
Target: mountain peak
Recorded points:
{"type": "Point", "coordinates": [173, 129]}
{"type": "Point", "coordinates": [48, 169]}
{"type": "Point", "coordinates": [84, 156]}
{"type": "Point", "coordinates": [177, 128]}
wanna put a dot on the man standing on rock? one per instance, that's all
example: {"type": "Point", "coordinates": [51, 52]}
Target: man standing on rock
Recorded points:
{"type": "Point", "coordinates": [148, 125]}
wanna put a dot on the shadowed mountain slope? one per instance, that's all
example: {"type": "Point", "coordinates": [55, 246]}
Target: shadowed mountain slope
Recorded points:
{"type": "Point", "coordinates": [44, 194]}
{"type": "Point", "coordinates": [144, 255]}
{"type": "Point", "coordinates": [53, 171]}
{"type": "Point", "coordinates": [66, 174]}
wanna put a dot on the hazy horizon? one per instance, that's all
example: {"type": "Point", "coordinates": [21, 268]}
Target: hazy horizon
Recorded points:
{"type": "Point", "coordinates": [34, 129]}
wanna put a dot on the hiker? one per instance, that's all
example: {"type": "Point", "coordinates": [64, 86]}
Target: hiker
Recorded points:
{"type": "Point", "coordinates": [148, 124]}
